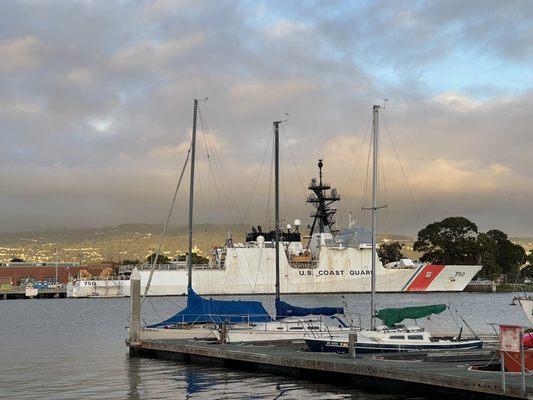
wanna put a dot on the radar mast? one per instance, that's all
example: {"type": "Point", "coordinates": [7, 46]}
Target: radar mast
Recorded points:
{"type": "Point", "coordinates": [321, 199]}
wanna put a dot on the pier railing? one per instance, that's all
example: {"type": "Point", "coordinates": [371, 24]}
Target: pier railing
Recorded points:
{"type": "Point", "coordinates": [304, 264]}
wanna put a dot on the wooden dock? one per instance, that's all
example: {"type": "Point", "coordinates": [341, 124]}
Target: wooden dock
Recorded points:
{"type": "Point", "coordinates": [19, 292]}
{"type": "Point", "coordinates": [438, 374]}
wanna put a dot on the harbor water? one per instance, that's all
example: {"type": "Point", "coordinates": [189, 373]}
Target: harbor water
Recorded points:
{"type": "Point", "coordinates": [74, 348]}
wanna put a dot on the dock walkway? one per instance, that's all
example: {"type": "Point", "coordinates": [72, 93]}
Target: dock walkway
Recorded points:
{"type": "Point", "coordinates": [435, 374]}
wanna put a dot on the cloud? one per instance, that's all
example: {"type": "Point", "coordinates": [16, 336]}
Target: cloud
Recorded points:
{"type": "Point", "coordinates": [456, 101]}
{"type": "Point", "coordinates": [95, 116]}
{"type": "Point", "coordinates": [284, 28]}
{"type": "Point", "coordinates": [146, 54]}
{"type": "Point", "coordinates": [20, 53]}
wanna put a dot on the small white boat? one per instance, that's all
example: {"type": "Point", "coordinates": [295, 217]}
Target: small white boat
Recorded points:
{"type": "Point", "coordinates": [390, 337]}
{"type": "Point", "coordinates": [200, 318]}
{"type": "Point", "coordinates": [526, 302]}
{"type": "Point", "coordinates": [288, 329]}
{"type": "Point", "coordinates": [30, 291]}
{"type": "Point", "coordinates": [397, 339]}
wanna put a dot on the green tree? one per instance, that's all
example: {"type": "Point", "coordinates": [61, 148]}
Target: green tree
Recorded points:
{"type": "Point", "coordinates": [509, 256]}
{"type": "Point", "coordinates": [131, 262]}
{"type": "Point", "coordinates": [162, 259]}
{"type": "Point", "coordinates": [488, 256]}
{"type": "Point", "coordinates": [389, 252]}
{"type": "Point", "coordinates": [450, 241]}
{"type": "Point", "coordinates": [196, 258]}
{"type": "Point", "coordinates": [527, 271]}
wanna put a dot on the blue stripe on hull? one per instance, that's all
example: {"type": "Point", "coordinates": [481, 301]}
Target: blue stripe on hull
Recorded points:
{"type": "Point", "coordinates": [361, 348]}
{"type": "Point", "coordinates": [413, 277]}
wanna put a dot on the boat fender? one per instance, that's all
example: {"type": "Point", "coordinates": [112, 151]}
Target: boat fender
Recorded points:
{"type": "Point", "coordinates": [528, 339]}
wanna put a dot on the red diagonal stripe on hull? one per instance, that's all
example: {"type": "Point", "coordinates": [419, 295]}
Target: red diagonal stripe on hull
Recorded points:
{"type": "Point", "coordinates": [424, 278]}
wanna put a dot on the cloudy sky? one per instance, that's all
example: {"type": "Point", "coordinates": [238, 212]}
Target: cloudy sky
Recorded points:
{"type": "Point", "coordinates": [96, 109]}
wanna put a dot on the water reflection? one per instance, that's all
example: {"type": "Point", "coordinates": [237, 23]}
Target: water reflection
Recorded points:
{"type": "Point", "coordinates": [65, 349]}
{"type": "Point", "coordinates": [149, 379]}
{"type": "Point", "coordinates": [134, 378]}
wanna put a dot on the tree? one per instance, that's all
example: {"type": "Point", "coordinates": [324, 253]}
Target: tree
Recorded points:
{"type": "Point", "coordinates": [389, 252]}
{"type": "Point", "coordinates": [130, 262]}
{"type": "Point", "coordinates": [488, 256]}
{"type": "Point", "coordinates": [527, 271]}
{"type": "Point", "coordinates": [196, 258]}
{"type": "Point", "coordinates": [509, 256]}
{"type": "Point", "coordinates": [450, 241]}
{"type": "Point", "coordinates": [162, 259]}
{"type": "Point", "coordinates": [16, 259]}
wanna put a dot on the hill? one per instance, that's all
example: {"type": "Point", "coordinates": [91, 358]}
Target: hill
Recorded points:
{"type": "Point", "coordinates": [122, 242]}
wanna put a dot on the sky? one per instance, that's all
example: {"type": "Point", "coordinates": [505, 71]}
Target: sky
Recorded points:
{"type": "Point", "coordinates": [96, 110]}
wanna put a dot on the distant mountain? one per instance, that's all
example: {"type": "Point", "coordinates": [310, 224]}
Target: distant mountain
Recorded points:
{"type": "Point", "coordinates": [122, 242]}
{"type": "Point", "coordinates": [135, 241]}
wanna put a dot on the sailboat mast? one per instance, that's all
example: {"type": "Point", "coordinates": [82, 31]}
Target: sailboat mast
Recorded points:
{"type": "Point", "coordinates": [375, 137]}
{"type": "Point", "coordinates": [191, 194]}
{"type": "Point", "coordinates": [276, 200]}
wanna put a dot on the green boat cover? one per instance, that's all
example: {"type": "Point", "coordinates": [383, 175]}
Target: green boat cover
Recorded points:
{"type": "Point", "coordinates": [391, 316]}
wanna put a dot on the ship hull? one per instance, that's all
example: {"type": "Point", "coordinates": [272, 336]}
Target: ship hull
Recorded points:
{"type": "Point", "coordinates": [249, 271]}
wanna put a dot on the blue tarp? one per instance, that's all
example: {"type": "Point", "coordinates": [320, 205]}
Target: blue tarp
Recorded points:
{"type": "Point", "coordinates": [200, 310]}
{"type": "Point", "coordinates": [284, 310]}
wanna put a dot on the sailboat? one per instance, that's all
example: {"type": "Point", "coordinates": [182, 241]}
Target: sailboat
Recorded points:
{"type": "Point", "coordinates": [526, 302]}
{"type": "Point", "coordinates": [392, 336]}
{"type": "Point", "coordinates": [200, 318]}
{"type": "Point", "coordinates": [293, 322]}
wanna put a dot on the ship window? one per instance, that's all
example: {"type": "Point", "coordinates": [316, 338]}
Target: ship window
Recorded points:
{"type": "Point", "coordinates": [314, 327]}
{"type": "Point", "coordinates": [415, 337]}
{"type": "Point", "coordinates": [397, 337]}
{"type": "Point", "coordinates": [279, 328]}
{"type": "Point", "coordinates": [296, 328]}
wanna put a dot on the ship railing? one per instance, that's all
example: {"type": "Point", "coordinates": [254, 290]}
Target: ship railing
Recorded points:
{"type": "Point", "coordinates": [479, 282]}
{"type": "Point", "coordinates": [304, 264]}
{"type": "Point", "coordinates": [125, 269]}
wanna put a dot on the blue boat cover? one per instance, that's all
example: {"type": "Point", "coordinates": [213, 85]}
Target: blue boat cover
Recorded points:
{"type": "Point", "coordinates": [200, 310]}
{"type": "Point", "coordinates": [284, 310]}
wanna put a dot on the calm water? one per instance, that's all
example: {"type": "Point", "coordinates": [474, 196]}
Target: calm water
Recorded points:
{"type": "Point", "coordinates": [74, 348]}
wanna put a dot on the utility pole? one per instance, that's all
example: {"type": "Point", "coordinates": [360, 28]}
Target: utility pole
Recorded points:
{"type": "Point", "coordinates": [57, 264]}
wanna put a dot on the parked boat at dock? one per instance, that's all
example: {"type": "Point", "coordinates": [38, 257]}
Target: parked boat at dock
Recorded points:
{"type": "Point", "coordinates": [391, 337]}
{"type": "Point", "coordinates": [287, 324]}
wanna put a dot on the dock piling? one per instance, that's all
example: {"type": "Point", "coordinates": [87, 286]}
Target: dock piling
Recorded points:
{"type": "Point", "coordinates": [223, 333]}
{"type": "Point", "coordinates": [352, 338]}
{"type": "Point", "coordinates": [135, 321]}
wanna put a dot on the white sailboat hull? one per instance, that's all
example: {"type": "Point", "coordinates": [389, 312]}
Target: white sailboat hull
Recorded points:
{"type": "Point", "coordinates": [527, 305]}
{"type": "Point", "coordinates": [246, 336]}
{"type": "Point", "coordinates": [198, 332]}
